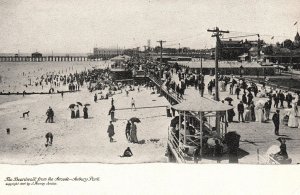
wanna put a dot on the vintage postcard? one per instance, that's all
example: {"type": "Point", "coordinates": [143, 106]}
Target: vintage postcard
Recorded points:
{"type": "Point", "coordinates": [149, 81]}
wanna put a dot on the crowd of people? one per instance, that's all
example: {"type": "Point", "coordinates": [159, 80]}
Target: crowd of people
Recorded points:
{"type": "Point", "coordinates": [256, 103]}
{"type": "Point", "coordinates": [177, 79]}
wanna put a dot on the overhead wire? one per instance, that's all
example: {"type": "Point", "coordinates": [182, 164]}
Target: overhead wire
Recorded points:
{"type": "Point", "coordinates": [255, 33]}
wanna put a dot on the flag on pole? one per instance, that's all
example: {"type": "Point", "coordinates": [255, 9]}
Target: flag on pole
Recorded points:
{"type": "Point", "coordinates": [295, 23]}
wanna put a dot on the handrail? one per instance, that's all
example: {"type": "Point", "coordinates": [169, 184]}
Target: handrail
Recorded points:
{"type": "Point", "coordinates": [175, 142]}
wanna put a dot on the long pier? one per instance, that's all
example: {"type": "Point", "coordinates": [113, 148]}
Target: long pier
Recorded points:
{"type": "Point", "coordinates": [36, 93]}
{"type": "Point", "coordinates": [46, 59]}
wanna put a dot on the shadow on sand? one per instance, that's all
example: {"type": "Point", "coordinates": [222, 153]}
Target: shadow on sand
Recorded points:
{"type": "Point", "coordinates": [240, 154]}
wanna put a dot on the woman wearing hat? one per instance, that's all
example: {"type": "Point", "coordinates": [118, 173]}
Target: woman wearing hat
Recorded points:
{"type": "Point", "coordinates": [293, 120]}
{"type": "Point", "coordinates": [282, 151]}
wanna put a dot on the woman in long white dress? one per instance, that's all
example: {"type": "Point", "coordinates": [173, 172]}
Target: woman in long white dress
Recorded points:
{"type": "Point", "coordinates": [263, 91]}
{"type": "Point", "coordinates": [259, 113]}
{"type": "Point", "coordinates": [260, 116]}
{"type": "Point", "coordinates": [293, 120]}
{"type": "Point", "coordinates": [222, 86]}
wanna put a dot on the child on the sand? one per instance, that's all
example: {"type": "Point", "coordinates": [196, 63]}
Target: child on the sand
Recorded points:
{"type": "Point", "coordinates": [49, 139]}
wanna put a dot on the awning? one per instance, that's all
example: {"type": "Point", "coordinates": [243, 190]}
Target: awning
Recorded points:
{"type": "Point", "coordinates": [120, 58]}
{"type": "Point", "coordinates": [202, 104]}
{"type": "Point", "coordinates": [243, 56]}
{"type": "Point", "coordinates": [279, 66]}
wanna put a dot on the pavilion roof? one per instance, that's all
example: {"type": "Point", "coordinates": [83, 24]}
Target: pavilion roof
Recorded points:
{"type": "Point", "coordinates": [120, 58]}
{"type": "Point", "coordinates": [222, 64]}
{"type": "Point", "coordinates": [202, 104]}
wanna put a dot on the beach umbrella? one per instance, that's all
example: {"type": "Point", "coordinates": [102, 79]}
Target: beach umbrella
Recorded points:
{"type": "Point", "coordinates": [135, 120]}
{"type": "Point", "coordinates": [87, 104]}
{"type": "Point", "coordinates": [71, 105]}
{"type": "Point", "coordinates": [229, 99]}
{"type": "Point", "coordinates": [79, 103]}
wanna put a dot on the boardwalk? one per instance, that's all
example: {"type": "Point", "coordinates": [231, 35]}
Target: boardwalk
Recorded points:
{"type": "Point", "coordinates": [255, 137]}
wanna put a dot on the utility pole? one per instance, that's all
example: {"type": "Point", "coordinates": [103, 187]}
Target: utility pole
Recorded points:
{"type": "Point", "coordinates": [217, 33]}
{"type": "Point", "coordinates": [146, 51]}
{"type": "Point", "coordinates": [137, 52]}
{"type": "Point", "coordinates": [258, 46]}
{"type": "Point", "coordinates": [161, 49]}
{"type": "Point", "coordinates": [201, 65]}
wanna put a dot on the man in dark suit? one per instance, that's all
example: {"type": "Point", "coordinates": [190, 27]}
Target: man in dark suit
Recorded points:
{"type": "Point", "coordinates": [281, 98]}
{"type": "Point", "coordinates": [276, 121]}
{"type": "Point", "coordinates": [241, 109]}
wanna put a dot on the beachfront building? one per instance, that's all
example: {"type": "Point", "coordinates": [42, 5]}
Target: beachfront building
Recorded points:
{"type": "Point", "coordinates": [234, 50]}
{"type": "Point", "coordinates": [287, 53]}
{"type": "Point", "coordinates": [230, 50]}
{"type": "Point", "coordinates": [229, 67]}
{"type": "Point", "coordinates": [253, 54]}
{"type": "Point", "coordinates": [107, 52]}
{"type": "Point", "coordinates": [284, 56]}
{"type": "Point", "coordinates": [36, 56]}
{"type": "Point", "coordinates": [166, 58]}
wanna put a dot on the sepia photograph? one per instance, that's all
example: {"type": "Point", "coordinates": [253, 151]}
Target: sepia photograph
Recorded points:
{"type": "Point", "coordinates": [149, 81]}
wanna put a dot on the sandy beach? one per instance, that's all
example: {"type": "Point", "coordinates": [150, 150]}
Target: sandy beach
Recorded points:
{"type": "Point", "coordinates": [76, 140]}
{"type": "Point", "coordinates": [82, 140]}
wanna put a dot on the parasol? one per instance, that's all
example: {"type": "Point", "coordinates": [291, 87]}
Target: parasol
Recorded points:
{"type": "Point", "coordinates": [280, 139]}
{"type": "Point", "coordinates": [71, 105]}
{"type": "Point", "coordinates": [87, 104]}
{"type": "Point", "coordinates": [134, 119]}
{"type": "Point", "coordinates": [260, 103]}
{"type": "Point", "coordinates": [229, 99]}
{"type": "Point", "coordinates": [79, 103]}
{"type": "Point", "coordinates": [211, 142]}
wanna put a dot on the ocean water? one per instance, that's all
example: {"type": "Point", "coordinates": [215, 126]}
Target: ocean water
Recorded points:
{"type": "Point", "coordinates": [17, 76]}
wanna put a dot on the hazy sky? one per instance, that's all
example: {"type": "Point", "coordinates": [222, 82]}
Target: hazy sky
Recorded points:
{"type": "Point", "coordinates": [79, 25]}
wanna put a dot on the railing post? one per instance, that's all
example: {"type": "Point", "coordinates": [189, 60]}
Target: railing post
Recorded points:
{"type": "Point", "coordinates": [258, 156]}
{"type": "Point", "coordinates": [201, 130]}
